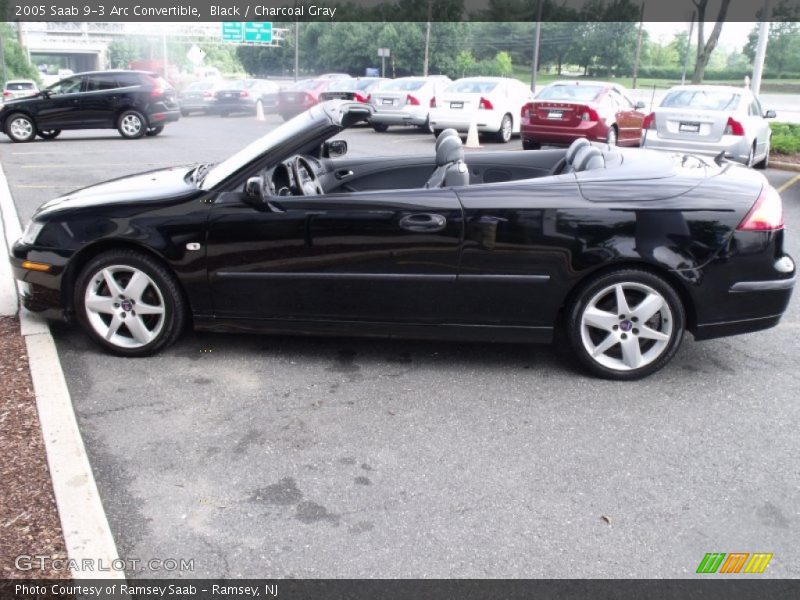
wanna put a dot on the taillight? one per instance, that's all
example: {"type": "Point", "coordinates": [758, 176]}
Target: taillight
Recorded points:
{"type": "Point", "coordinates": [433, 102]}
{"type": "Point", "coordinates": [369, 98]}
{"type": "Point", "coordinates": [207, 94]}
{"type": "Point", "coordinates": [527, 110]}
{"type": "Point", "coordinates": [244, 94]}
{"type": "Point", "coordinates": [412, 100]}
{"type": "Point", "coordinates": [733, 127]}
{"type": "Point", "coordinates": [649, 121]}
{"type": "Point", "coordinates": [766, 214]}
{"type": "Point", "coordinates": [590, 114]}
{"type": "Point", "coordinates": [484, 104]}
{"type": "Point", "coordinates": [156, 92]}
{"type": "Point", "coordinates": [359, 98]}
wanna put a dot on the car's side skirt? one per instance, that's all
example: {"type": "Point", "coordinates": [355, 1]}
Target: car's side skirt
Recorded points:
{"type": "Point", "coordinates": [419, 331]}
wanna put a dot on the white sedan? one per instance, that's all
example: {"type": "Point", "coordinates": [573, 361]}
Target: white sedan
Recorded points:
{"type": "Point", "coordinates": [494, 103]}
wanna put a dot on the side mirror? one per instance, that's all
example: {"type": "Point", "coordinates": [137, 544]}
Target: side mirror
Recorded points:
{"type": "Point", "coordinates": [45, 93]}
{"type": "Point", "coordinates": [335, 148]}
{"type": "Point", "coordinates": [254, 191]}
{"type": "Point", "coordinates": [770, 114]}
{"type": "Point", "coordinates": [639, 104]}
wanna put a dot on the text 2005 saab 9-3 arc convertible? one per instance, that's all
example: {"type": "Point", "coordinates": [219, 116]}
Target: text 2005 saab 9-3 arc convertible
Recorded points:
{"type": "Point", "coordinates": [617, 251]}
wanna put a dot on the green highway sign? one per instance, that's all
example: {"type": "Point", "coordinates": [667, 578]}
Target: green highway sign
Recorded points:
{"type": "Point", "coordinates": [258, 32]}
{"type": "Point", "coordinates": [232, 31]}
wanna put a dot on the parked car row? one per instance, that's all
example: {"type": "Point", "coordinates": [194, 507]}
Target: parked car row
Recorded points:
{"type": "Point", "coordinates": [698, 119]}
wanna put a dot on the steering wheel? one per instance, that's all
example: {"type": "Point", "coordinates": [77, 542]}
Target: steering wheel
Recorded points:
{"type": "Point", "coordinates": [308, 185]}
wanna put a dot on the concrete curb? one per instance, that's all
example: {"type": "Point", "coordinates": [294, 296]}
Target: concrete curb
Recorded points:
{"type": "Point", "coordinates": [83, 520]}
{"type": "Point", "coordinates": [784, 166]}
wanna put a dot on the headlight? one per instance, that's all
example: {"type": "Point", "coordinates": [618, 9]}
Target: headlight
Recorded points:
{"type": "Point", "coordinates": [32, 232]}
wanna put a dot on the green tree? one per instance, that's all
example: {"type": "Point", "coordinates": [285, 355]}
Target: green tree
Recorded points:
{"type": "Point", "coordinates": [17, 65]}
{"type": "Point", "coordinates": [465, 63]}
{"type": "Point", "coordinates": [503, 65]}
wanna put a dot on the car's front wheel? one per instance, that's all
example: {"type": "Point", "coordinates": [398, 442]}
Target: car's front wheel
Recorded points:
{"type": "Point", "coordinates": [49, 134]}
{"type": "Point", "coordinates": [129, 303]}
{"type": "Point", "coordinates": [131, 124]}
{"type": "Point", "coordinates": [625, 324]}
{"type": "Point", "coordinates": [20, 128]}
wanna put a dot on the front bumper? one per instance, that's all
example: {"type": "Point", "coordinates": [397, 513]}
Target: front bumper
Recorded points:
{"type": "Point", "coordinates": [39, 292]}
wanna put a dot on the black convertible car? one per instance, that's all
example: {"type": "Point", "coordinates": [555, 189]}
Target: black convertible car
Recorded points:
{"type": "Point", "coordinates": [617, 252]}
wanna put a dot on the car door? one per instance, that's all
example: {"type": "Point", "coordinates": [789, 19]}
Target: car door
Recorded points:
{"type": "Point", "coordinates": [629, 120]}
{"type": "Point", "coordinates": [59, 108]}
{"type": "Point", "coordinates": [386, 256]}
{"type": "Point", "coordinates": [100, 100]}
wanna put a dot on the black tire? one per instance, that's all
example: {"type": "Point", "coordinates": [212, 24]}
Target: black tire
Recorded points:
{"type": "Point", "coordinates": [616, 345]}
{"type": "Point", "coordinates": [380, 127]}
{"type": "Point", "coordinates": [427, 127]}
{"type": "Point", "coordinates": [223, 113]}
{"type": "Point", "coordinates": [437, 133]}
{"type": "Point", "coordinates": [764, 162]}
{"type": "Point", "coordinates": [752, 156]}
{"type": "Point", "coordinates": [49, 134]}
{"type": "Point", "coordinates": [503, 135]}
{"type": "Point", "coordinates": [161, 291]}
{"type": "Point", "coordinates": [154, 131]}
{"type": "Point", "coordinates": [530, 145]}
{"type": "Point", "coordinates": [612, 139]}
{"type": "Point", "coordinates": [132, 125]}
{"type": "Point", "coordinates": [184, 112]}
{"type": "Point", "coordinates": [20, 128]}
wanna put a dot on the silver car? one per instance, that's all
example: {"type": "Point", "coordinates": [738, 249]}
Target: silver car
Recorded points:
{"type": "Point", "coordinates": [406, 101]}
{"type": "Point", "coordinates": [709, 119]}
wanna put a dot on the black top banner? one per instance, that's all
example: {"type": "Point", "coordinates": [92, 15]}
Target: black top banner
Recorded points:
{"type": "Point", "coordinates": [395, 10]}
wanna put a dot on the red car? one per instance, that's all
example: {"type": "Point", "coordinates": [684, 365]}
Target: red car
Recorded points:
{"type": "Point", "coordinates": [301, 96]}
{"type": "Point", "coordinates": [567, 110]}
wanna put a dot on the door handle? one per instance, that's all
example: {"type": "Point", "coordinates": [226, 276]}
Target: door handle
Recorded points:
{"type": "Point", "coordinates": [423, 222]}
{"type": "Point", "coordinates": [343, 174]}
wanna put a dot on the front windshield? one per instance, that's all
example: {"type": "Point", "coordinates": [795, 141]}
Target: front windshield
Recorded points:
{"type": "Point", "coordinates": [280, 135]}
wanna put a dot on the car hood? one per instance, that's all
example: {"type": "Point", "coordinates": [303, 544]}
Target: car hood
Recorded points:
{"type": "Point", "coordinates": [162, 185]}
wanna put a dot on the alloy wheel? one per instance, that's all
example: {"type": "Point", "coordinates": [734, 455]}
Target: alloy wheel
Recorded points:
{"type": "Point", "coordinates": [626, 326]}
{"type": "Point", "coordinates": [21, 128]}
{"type": "Point", "coordinates": [124, 306]}
{"type": "Point", "coordinates": [131, 124]}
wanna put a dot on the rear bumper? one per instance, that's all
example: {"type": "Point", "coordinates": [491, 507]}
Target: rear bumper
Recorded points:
{"type": "Point", "coordinates": [486, 120]}
{"type": "Point", "coordinates": [738, 146]}
{"type": "Point", "coordinates": [165, 116]}
{"type": "Point", "coordinates": [563, 136]}
{"type": "Point", "coordinates": [401, 117]}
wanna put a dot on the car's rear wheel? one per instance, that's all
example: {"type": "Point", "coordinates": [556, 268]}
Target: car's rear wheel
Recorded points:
{"type": "Point", "coordinates": [380, 127]}
{"type": "Point", "coordinates": [20, 128]}
{"type": "Point", "coordinates": [503, 135]}
{"type": "Point", "coordinates": [751, 156]}
{"type": "Point", "coordinates": [427, 127]}
{"type": "Point", "coordinates": [129, 303]}
{"type": "Point", "coordinates": [611, 137]}
{"type": "Point", "coordinates": [184, 112]}
{"type": "Point", "coordinates": [153, 131]}
{"type": "Point", "coordinates": [625, 324]}
{"type": "Point", "coordinates": [132, 124]}
{"type": "Point", "coordinates": [437, 133]}
{"type": "Point", "coordinates": [223, 113]}
{"type": "Point", "coordinates": [530, 145]}
{"type": "Point", "coordinates": [49, 134]}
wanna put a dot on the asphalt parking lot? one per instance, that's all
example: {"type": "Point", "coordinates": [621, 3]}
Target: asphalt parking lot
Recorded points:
{"type": "Point", "coordinates": [325, 457]}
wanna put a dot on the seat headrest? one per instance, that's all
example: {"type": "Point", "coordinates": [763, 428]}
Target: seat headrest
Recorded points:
{"type": "Point", "coordinates": [572, 151]}
{"type": "Point", "coordinates": [588, 157]}
{"type": "Point", "coordinates": [450, 132]}
{"type": "Point", "coordinates": [449, 151]}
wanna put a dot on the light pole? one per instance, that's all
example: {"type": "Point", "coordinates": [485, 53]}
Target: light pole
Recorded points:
{"type": "Point", "coordinates": [535, 61]}
{"type": "Point", "coordinates": [761, 49]}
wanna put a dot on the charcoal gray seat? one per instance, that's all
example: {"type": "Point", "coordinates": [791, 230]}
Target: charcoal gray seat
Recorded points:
{"type": "Point", "coordinates": [588, 159]}
{"type": "Point", "coordinates": [450, 167]}
{"type": "Point", "coordinates": [565, 165]}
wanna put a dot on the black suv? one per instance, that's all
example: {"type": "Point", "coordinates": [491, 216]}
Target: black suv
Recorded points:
{"type": "Point", "coordinates": [133, 102]}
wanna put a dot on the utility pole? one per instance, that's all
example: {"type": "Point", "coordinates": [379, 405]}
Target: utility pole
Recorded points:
{"type": "Point", "coordinates": [3, 56]}
{"type": "Point", "coordinates": [535, 61]}
{"type": "Point", "coordinates": [638, 48]}
{"type": "Point", "coordinates": [688, 49]}
{"type": "Point", "coordinates": [296, 49]}
{"type": "Point", "coordinates": [761, 48]}
{"type": "Point", "coordinates": [164, 50]}
{"type": "Point", "coordinates": [427, 40]}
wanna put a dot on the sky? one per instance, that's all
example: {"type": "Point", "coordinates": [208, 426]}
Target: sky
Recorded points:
{"type": "Point", "coordinates": [733, 35]}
